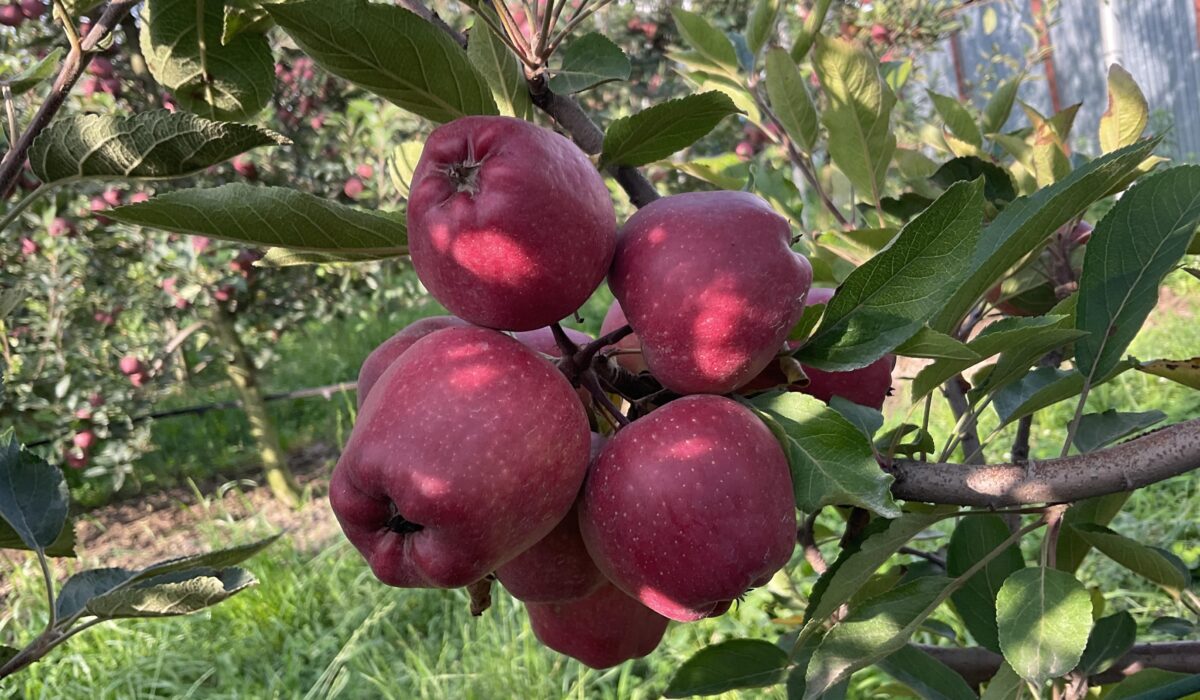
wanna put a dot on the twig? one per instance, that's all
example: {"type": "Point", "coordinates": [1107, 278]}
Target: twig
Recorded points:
{"type": "Point", "coordinates": [1020, 448]}
{"type": "Point", "coordinates": [927, 556]}
{"type": "Point", "coordinates": [72, 67]}
{"type": "Point", "coordinates": [601, 397]}
{"type": "Point", "coordinates": [805, 537]}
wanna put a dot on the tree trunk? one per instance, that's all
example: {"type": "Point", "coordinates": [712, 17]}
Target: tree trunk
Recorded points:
{"type": "Point", "coordinates": [245, 377]}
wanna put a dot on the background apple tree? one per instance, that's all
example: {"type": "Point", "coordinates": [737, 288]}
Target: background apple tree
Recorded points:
{"type": "Point", "coordinates": [156, 149]}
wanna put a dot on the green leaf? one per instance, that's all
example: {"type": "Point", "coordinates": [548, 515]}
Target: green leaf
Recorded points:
{"type": "Point", "coordinates": [929, 678]}
{"type": "Point", "coordinates": [855, 566]}
{"type": "Point", "coordinates": [271, 216]}
{"type": "Point", "coordinates": [1111, 638]}
{"type": "Point", "coordinates": [1127, 114]}
{"type": "Point", "coordinates": [240, 20]}
{"type": "Point", "coordinates": [1005, 685]}
{"type": "Point", "coordinates": [1098, 430]}
{"type": "Point", "coordinates": [33, 496]}
{"type": "Point", "coordinates": [761, 24]}
{"type": "Point", "coordinates": [707, 40]}
{"type": "Point", "coordinates": [181, 42]}
{"type": "Point", "coordinates": [958, 120]}
{"type": "Point", "coordinates": [1040, 388]}
{"type": "Point", "coordinates": [974, 537]}
{"type": "Point", "coordinates": [1000, 106]}
{"type": "Point", "coordinates": [888, 299]}
{"type": "Point", "coordinates": [664, 129]}
{"type": "Point", "coordinates": [1099, 510]}
{"type": "Point", "coordinates": [219, 559]}
{"type": "Point", "coordinates": [178, 593]}
{"type": "Point", "coordinates": [934, 345]}
{"type": "Point", "coordinates": [1138, 558]}
{"type": "Point", "coordinates": [731, 665]}
{"type": "Point", "coordinates": [861, 141]}
{"type": "Point", "coordinates": [1027, 223]}
{"type": "Point", "coordinates": [865, 418]}
{"type": "Point", "coordinates": [149, 145]}
{"type": "Point", "coordinates": [86, 585]}
{"type": "Point", "coordinates": [1044, 617]}
{"type": "Point", "coordinates": [1172, 626]}
{"type": "Point", "coordinates": [1132, 249]}
{"type": "Point", "coordinates": [998, 186]}
{"type": "Point", "coordinates": [391, 52]}
{"type": "Point", "coordinates": [791, 101]}
{"type": "Point", "coordinates": [1155, 684]}
{"type": "Point", "coordinates": [873, 631]}
{"type": "Point", "coordinates": [501, 69]}
{"type": "Point", "coordinates": [285, 257]}
{"type": "Point", "coordinates": [62, 546]}
{"type": "Point", "coordinates": [590, 60]}
{"type": "Point", "coordinates": [831, 460]}
{"type": "Point", "coordinates": [33, 76]}
{"type": "Point", "coordinates": [1049, 151]}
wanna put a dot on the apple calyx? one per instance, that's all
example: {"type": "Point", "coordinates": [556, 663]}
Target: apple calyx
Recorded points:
{"type": "Point", "coordinates": [464, 175]}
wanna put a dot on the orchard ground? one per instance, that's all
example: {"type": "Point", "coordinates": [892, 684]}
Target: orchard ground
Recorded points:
{"type": "Point", "coordinates": [320, 625]}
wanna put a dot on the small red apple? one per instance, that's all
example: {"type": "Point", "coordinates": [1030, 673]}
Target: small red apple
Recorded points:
{"type": "Point", "coordinates": [139, 197]}
{"type": "Point", "coordinates": [366, 171]}
{"type": "Point", "coordinates": [245, 167]}
{"type": "Point", "coordinates": [602, 630]}
{"type": "Point", "coordinates": [84, 439]}
{"type": "Point", "coordinates": [75, 459]}
{"type": "Point", "coordinates": [60, 226]}
{"type": "Point", "coordinates": [11, 16]}
{"type": "Point", "coordinates": [101, 67]}
{"type": "Point", "coordinates": [29, 247]}
{"type": "Point", "coordinates": [96, 400]}
{"type": "Point", "coordinates": [113, 197]}
{"type": "Point", "coordinates": [33, 9]}
{"type": "Point", "coordinates": [131, 364]}
{"type": "Point", "coordinates": [353, 188]}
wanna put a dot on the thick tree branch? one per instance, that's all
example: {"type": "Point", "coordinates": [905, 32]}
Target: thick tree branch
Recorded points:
{"type": "Point", "coordinates": [1131, 465]}
{"type": "Point", "coordinates": [977, 665]}
{"type": "Point", "coordinates": [72, 67]}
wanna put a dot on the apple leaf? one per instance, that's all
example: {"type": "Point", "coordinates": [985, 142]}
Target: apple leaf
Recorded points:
{"type": "Point", "coordinates": [220, 81]}
{"type": "Point", "coordinates": [997, 184]}
{"type": "Point", "coordinates": [874, 630]}
{"type": "Point", "coordinates": [178, 593]}
{"type": "Point", "coordinates": [1099, 510]}
{"type": "Point", "coordinates": [1185, 372]}
{"type": "Point", "coordinates": [149, 145]}
{"type": "Point", "coordinates": [1127, 114]}
{"type": "Point", "coordinates": [926, 675]}
{"type": "Point", "coordinates": [1155, 684]}
{"type": "Point", "coordinates": [403, 163]}
{"type": "Point", "coordinates": [62, 546]}
{"type": "Point", "coordinates": [1026, 224]}
{"type": "Point", "coordinates": [887, 300]}
{"type": "Point", "coordinates": [731, 665]}
{"type": "Point", "coordinates": [1131, 250]}
{"type": "Point", "coordinates": [389, 51]}
{"type": "Point", "coordinates": [1098, 430]}
{"type": "Point", "coordinates": [858, 562]}
{"type": "Point", "coordinates": [931, 344]}
{"type": "Point", "coordinates": [761, 25]}
{"type": "Point", "coordinates": [590, 60]}
{"type": "Point", "coordinates": [286, 257]}
{"type": "Point", "coordinates": [271, 216]}
{"type": "Point", "coordinates": [501, 69]}
{"type": "Point", "coordinates": [219, 559]}
{"type": "Point", "coordinates": [664, 129]}
{"type": "Point", "coordinates": [33, 496]}
{"type": "Point", "coordinates": [1111, 638]}
{"type": "Point", "coordinates": [865, 418]}
{"type": "Point", "coordinates": [832, 462]}
{"type": "Point", "coordinates": [1138, 558]}
{"type": "Point", "coordinates": [707, 40]}
{"type": "Point", "coordinates": [958, 120]}
{"type": "Point", "coordinates": [1000, 106]}
{"type": "Point", "coordinates": [791, 101]}
{"type": "Point", "coordinates": [86, 585]}
{"type": "Point", "coordinates": [858, 119]}
{"type": "Point", "coordinates": [32, 76]}
{"type": "Point", "coordinates": [974, 537]}
{"type": "Point", "coordinates": [1044, 618]}
{"type": "Point", "coordinates": [1172, 626]}
{"type": "Point", "coordinates": [1005, 684]}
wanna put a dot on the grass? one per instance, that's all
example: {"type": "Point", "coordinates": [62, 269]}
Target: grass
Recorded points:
{"type": "Point", "coordinates": [320, 626]}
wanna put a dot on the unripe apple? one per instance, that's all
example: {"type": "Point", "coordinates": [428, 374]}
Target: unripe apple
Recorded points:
{"type": "Point", "coordinates": [689, 507]}
{"type": "Point", "coordinates": [602, 630]}
{"type": "Point", "coordinates": [84, 439]}
{"type": "Point", "coordinates": [710, 283]}
{"type": "Point", "coordinates": [389, 350]}
{"type": "Point", "coordinates": [11, 16]}
{"type": "Point", "coordinates": [442, 479]}
{"type": "Point", "coordinates": [614, 319]}
{"type": "Point", "coordinates": [510, 226]}
{"type": "Point", "coordinates": [131, 364]}
{"type": "Point", "coordinates": [558, 568]}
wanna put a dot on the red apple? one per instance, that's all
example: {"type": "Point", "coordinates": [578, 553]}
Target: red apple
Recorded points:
{"type": "Point", "coordinates": [96, 400]}
{"type": "Point", "coordinates": [139, 197]}
{"type": "Point", "coordinates": [75, 459]}
{"type": "Point", "coordinates": [558, 568]}
{"type": "Point", "coordinates": [131, 364]}
{"type": "Point", "coordinates": [510, 226]}
{"type": "Point", "coordinates": [614, 319]}
{"type": "Point", "coordinates": [602, 630]}
{"type": "Point", "coordinates": [84, 414]}
{"type": "Point", "coordinates": [709, 282]}
{"type": "Point", "coordinates": [33, 9]}
{"type": "Point", "coordinates": [29, 247]}
{"type": "Point", "coordinates": [98, 204]}
{"type": "Point", "coordinates": [60, 226]}
{"type": "Point", "coordinates": [442, 480]}
{"type": "Point", "coordinates": [101, 67]}
{"type": "Point", "coordinates": [389, 350]}
{"type": "Point", "coordinates": [112, 197]}
{"type": "Point", "coordinates": [200, 244]}
{"type": "Point", "coordinates": [689, 507]}
{"type": "Point", "coordinates": [138, 379]}
{"type": "Point", "coordinates": [366, 171]}
{"type": "Point", "coordinates": [542, 340]}
{"type": "Point", "coordinates": [245, 167]}
{"type": "Point", "coordinates": [11, 16]}
{"type": "Point", "coordinates": [744, 150]}
{"type": "Point", "coordinates": [353, 188]}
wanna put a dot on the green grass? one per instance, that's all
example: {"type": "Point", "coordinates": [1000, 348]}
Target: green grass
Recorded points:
{"type": "Point", "coordinates": [320, 626]}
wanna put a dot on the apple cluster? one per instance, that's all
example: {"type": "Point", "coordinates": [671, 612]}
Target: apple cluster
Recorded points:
{"type": "Point", "coordinates": [490, 443]}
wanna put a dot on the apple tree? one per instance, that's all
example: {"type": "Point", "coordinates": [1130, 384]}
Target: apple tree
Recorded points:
{"type": "Point", "coordinates": [725, 429]}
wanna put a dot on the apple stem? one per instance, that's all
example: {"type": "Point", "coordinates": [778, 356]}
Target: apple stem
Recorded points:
{"type": "Point", "coordinates": [601, 397]}
{"type": "Point", "coordinates": [566, 346]}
